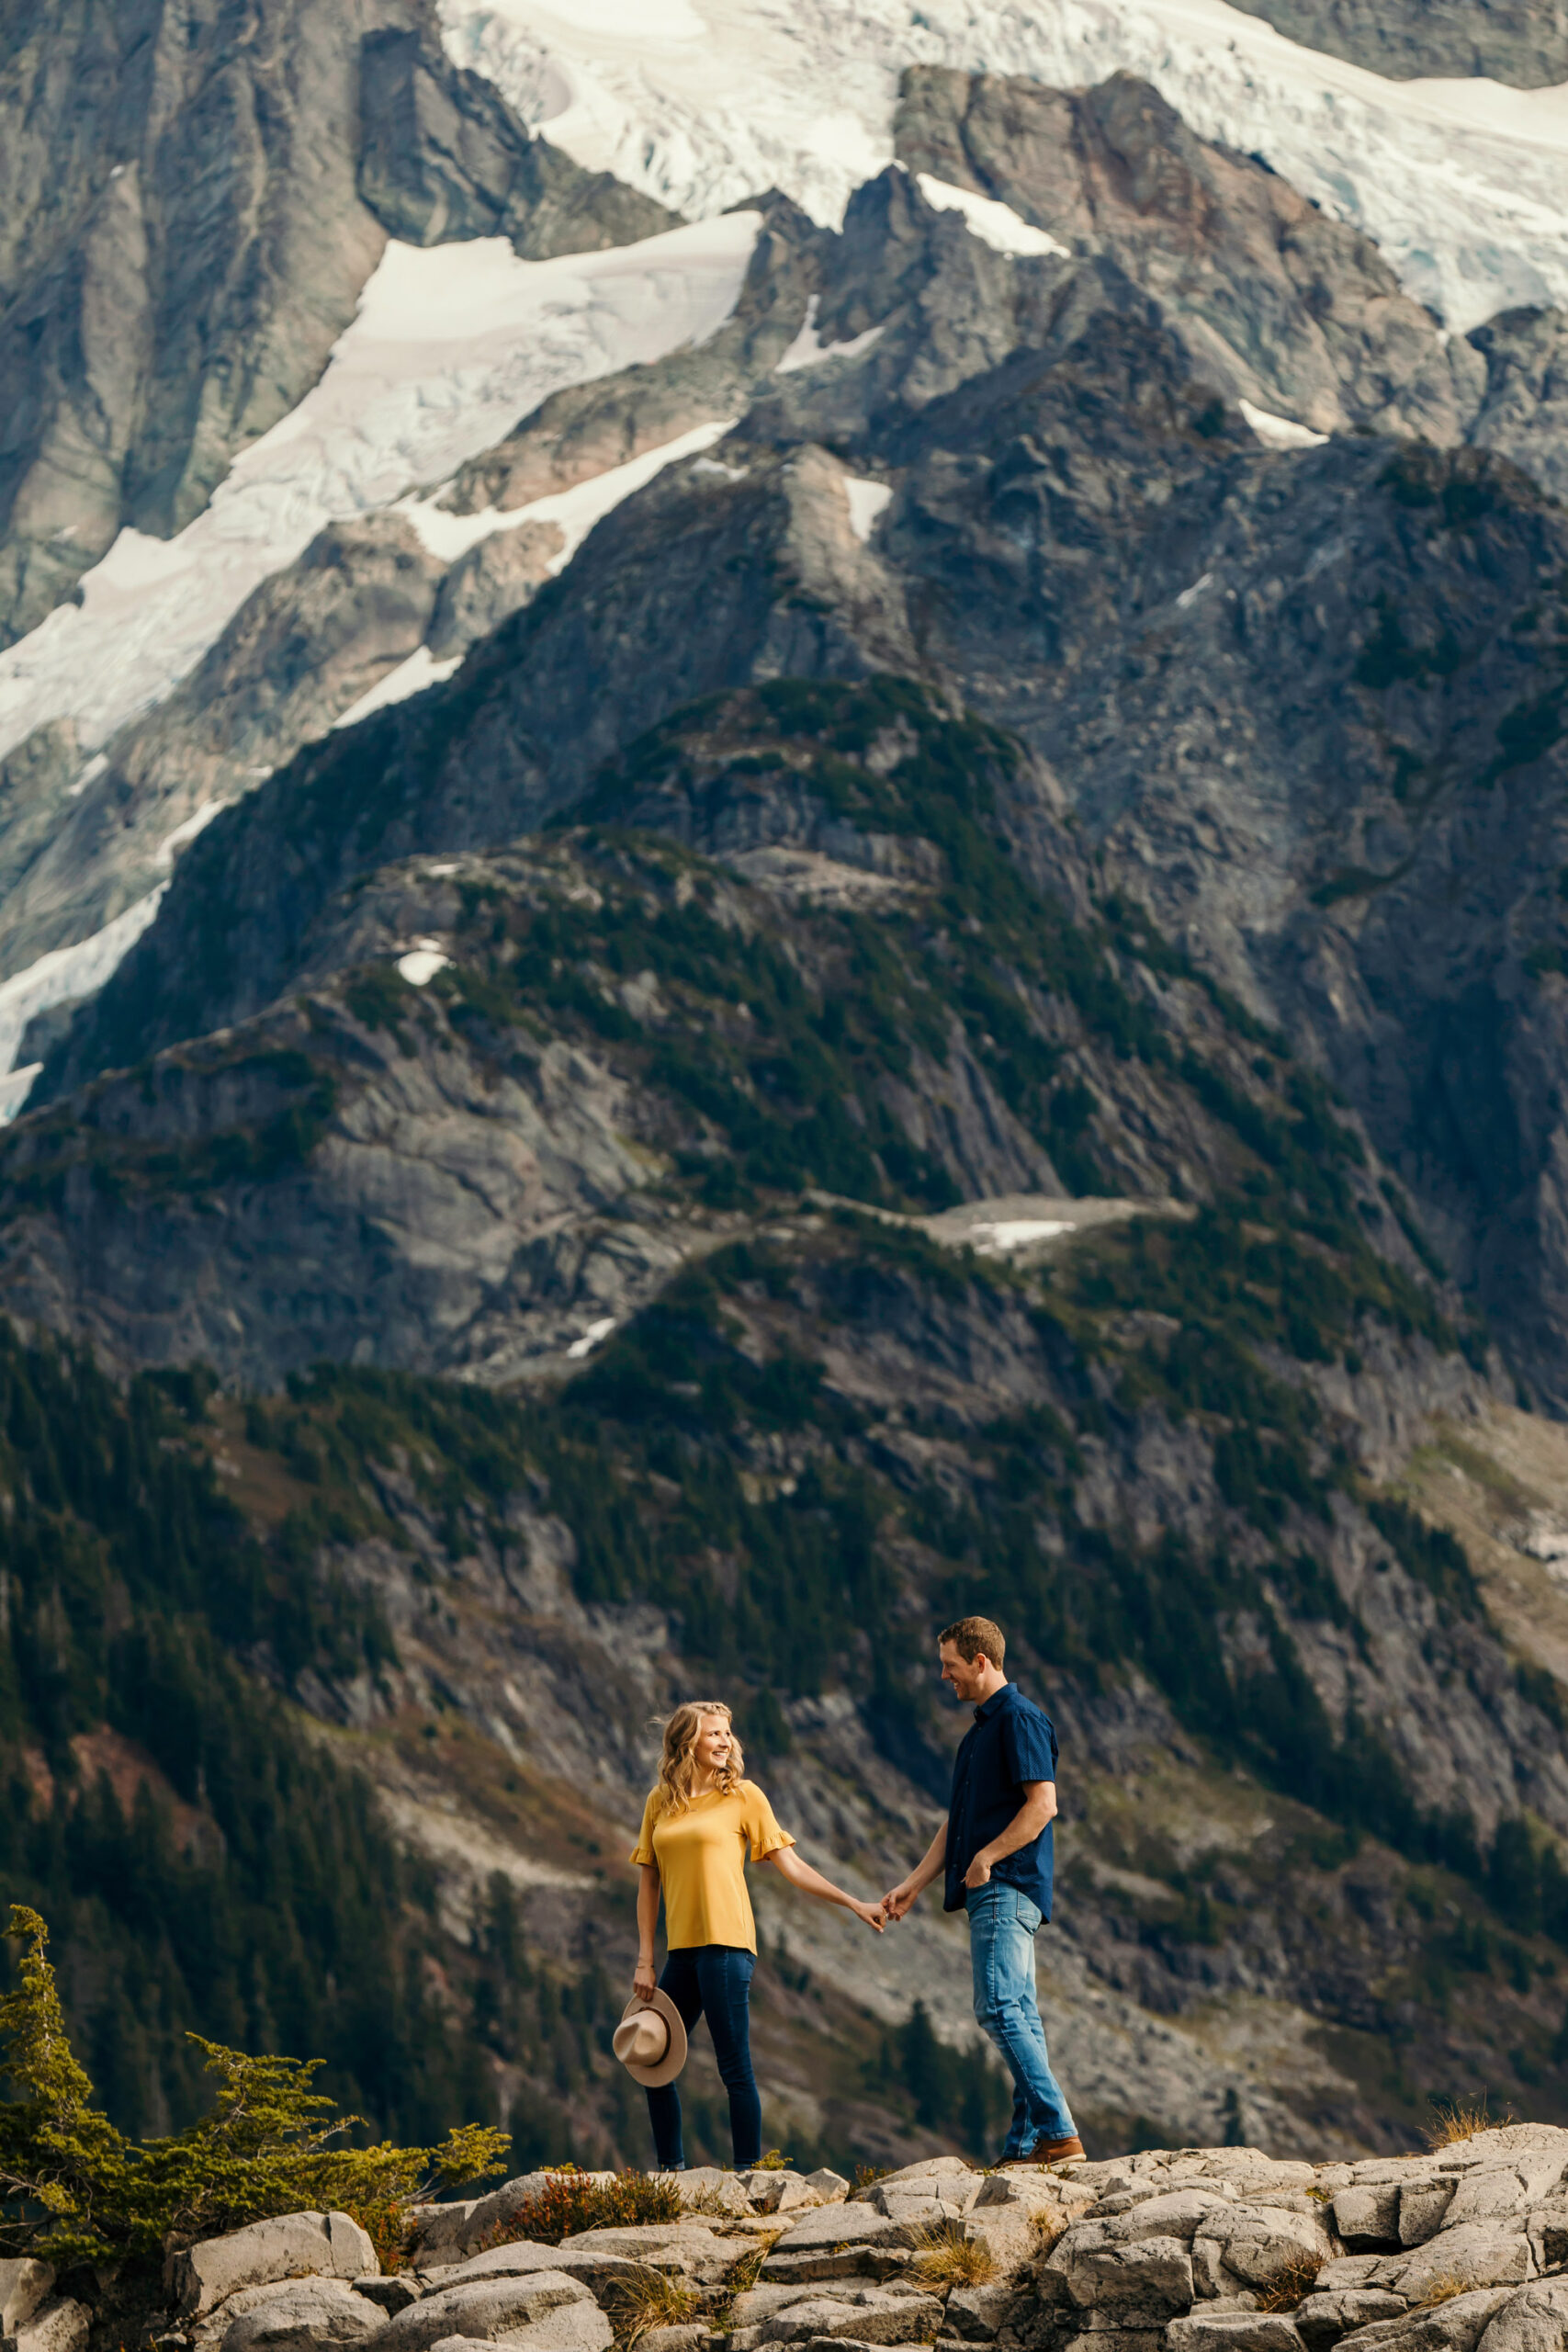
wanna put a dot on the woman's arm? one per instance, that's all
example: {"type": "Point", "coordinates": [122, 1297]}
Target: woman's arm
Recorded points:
{"type": "Point", "coordinates": [789, 1864]}
{"type": "Point", "coordinates": [647, 1921]}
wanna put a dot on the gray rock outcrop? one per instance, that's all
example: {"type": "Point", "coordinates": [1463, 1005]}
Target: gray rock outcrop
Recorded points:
{"type": "Point", "coordinates": [1523, 42]}
{"type": "Point", "coordinates": [295, 2246]}
{"type": "Point", "coordinates": [185, 237]}
{"type": "Point", "coordinates": [443, 157]}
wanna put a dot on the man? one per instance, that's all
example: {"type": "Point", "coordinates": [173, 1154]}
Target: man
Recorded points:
{"type": "Point", "coordinates": [995, 1851]}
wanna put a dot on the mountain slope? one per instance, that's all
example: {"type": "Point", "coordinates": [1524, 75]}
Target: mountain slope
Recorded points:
{"type": "Point", "coordinates": [189, 223]}
{"type": "Point", "coordinates": [1293, 697]}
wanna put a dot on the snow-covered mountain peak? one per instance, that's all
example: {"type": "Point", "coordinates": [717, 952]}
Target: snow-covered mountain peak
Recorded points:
{"type": "Point", "coordinates": [701, 103]}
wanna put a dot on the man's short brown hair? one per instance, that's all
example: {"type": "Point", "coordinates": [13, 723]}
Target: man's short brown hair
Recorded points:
{"type": "Point", "coordinates": [973, 1638]}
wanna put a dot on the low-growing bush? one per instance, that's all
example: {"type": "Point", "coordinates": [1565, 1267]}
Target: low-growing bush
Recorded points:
{"type": "Point", "coordinates": [72, 2188]}
{"type": "Point", "coordinates": [571, 2201]}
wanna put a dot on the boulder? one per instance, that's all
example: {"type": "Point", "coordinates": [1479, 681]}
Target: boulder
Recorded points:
{"type": "Point", "coordinates": [298, 2314]}
{"type": "Point", "coordinates": [1504, 2192]}
{"type": "Point", "coordinates": [1260, 2244]}
{"type": "Point", "coordinates": [58, 2325]}
{"type": "Point", "coordinates": [1139, 2285]}
{"type": "Point", "coordinates": [838, 2242]}
{"type": "Point", "coordinates": [930, 2170]}
{"type": "Point", "coordinates": [1177, 2214]}
{"type": "Point", "coordinates": [1350, 2270]}
{"type": "Point", "coordinates": [1118, 2339]}
{"type": "Point", "coordinates": [1367, 2215]}
{"type": "Point", "coordinates": [1535, 2319]}
{"type": "Point", "coordinates": [390, 2295]}
{"type": "Point", "coordinates": [482, 2308]}
{"type": "Point", "coordinates": [1484, 2253]}
{"type": "Point", "coordinates": [1020, 2214]}
{"type": "Point", "coordinates": [689, 2338]}
{"type": "Point", "coordinates": [708, 2185]}
{"type": "Point", "coordinates": [831, 2186]}
{"type": "Point", "coordinates": [572, 2327]}
{"type": "Point", "coordinates": [1454, 2325]}
{"type": "Point", "coordinates": [1322, 2320]}
{"type": "Point", "coordinates": [976, 2315]}
{"type": "Point", "coordinates": [778, 2192]}
{"type": "Point", "coordinates": [512, 2261]}
{"type": "Point", "coordinates": [1233, 2332]}
{"type": "Point", "coordinates": [1423, 2208]}
{"type": "Point", "coordinates": [681, 2249]}
{"type": "Point", "coordinates": [291, 2246]}
{"type": "Point", "coordinates": [24, 2285]}
{"type": "Point", "coordinates": [440, 2234]}
{"type": "Point", "coordinates": [873, 2317]}
{"type": "Point", "coordinates": [755, 2304]}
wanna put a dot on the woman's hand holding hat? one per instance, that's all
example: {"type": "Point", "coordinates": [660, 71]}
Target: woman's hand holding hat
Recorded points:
{"type": "Point", "coordinates": [643, 1980]}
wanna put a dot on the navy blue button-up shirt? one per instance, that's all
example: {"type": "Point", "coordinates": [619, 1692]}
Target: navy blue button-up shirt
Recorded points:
{"type": "Point", "coordinates": [1012, 1741]}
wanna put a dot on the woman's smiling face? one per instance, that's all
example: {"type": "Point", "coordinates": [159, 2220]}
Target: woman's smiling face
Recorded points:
{"type": "Point", "coordinates": [710, 1750]}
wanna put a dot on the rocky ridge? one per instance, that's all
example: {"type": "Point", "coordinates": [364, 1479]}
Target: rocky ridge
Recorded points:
{"type": "Point", "coordinates": [1191, 2250]}
{"type": "Point", "coordinates": [193, 202]}
{"type": "Point", "coordinates": [1285, 695]}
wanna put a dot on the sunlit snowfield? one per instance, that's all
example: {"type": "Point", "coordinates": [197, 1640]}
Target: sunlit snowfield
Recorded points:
{"type": "Point", "coordinates": [1464, 184]}
{"type": "Point", "coordinates": [701, 103]}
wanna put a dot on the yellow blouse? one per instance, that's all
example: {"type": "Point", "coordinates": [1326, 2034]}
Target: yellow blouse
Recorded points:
{"type": "Point", "coordinates": [700, 1856]}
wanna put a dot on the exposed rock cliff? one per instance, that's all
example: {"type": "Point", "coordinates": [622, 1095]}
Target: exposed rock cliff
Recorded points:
{"type": "Point", "coordinates": [185, 236]}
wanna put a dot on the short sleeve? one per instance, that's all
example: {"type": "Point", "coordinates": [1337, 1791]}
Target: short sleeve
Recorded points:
{"type": "Point", "coordinates": [762, 1831]}
{"type": "Point", "coordinates": [1029, 1744]}
{"type": "Point", "coordinates": [643, 1850]}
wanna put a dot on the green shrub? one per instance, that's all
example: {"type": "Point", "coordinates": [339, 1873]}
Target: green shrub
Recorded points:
{"type": "Point", "coordinates": [73, 2189]}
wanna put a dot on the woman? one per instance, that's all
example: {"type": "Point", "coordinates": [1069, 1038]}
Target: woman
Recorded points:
{"type": "Point", "coordinates": [696, 1828]}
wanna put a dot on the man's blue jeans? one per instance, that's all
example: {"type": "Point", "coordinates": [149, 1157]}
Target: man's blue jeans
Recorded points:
{"type": "Point", "coordinates": [1003, 1924]}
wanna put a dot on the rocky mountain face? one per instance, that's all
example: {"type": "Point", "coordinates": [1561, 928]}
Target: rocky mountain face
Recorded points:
{"type": "Point", "coordinates": [1287, 693]}
{"type": "Point", "coordinates": [193, 200]}
{"type": "Point", "coordinates": [958, 1004]}
{"type": "Point", "coordinates": [1525, 44]}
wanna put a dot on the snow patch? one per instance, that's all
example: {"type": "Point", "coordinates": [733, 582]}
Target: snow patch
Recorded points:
{"type": "Point", "coordinates": [866, 501]}
{"type": "Point", "coordinates": [172, 843]}
{"type": "Point", "coordinates": [591, 1337]}
{"type": "Point", "coordinates": [449, 348]}
{"type": "Point", "coordinates": [1461, 182]}
{"type": "Point", "coordinates": [1189, 596]}
{"type": "Point", "coordinates": [411, 677]}
{"type": "Point", "coordinates": [807, 349]}
{"type": "Point", "coordinates": [422, 961]}
{"type": "Point", "coordinates": [1280, 431]}
{"type": "Point", "coordinates": [574, 512]}
{"type": "Point", "coordinates": [993, 1239]}
{"type": "Point", "coordinates": [995, 223]}
{"type": "Point", "coordinates": [67, 972]}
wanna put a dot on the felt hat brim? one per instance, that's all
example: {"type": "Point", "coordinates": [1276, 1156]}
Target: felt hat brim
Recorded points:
{"type": "Point", "coordinates": [674, 2058]}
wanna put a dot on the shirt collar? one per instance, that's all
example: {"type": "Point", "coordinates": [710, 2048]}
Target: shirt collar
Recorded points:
{"type": "Point", "coordinates": [984, 1712]}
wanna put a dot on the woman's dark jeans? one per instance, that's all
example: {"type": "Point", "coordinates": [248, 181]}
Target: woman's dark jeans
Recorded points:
{"type": "Point", "coordinates": [712, 1981]}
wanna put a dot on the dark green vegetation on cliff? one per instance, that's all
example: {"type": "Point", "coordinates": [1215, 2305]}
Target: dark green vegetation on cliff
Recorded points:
{"type": "Point", "coordinates": [1144, 1454]}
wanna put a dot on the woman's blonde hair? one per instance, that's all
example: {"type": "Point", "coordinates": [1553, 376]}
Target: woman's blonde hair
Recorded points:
{"type": "Point", "coordinates": [677, 1763]}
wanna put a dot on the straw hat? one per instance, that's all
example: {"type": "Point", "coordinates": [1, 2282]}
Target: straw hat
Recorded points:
{"type": "Point", "coordinates": [650, 2041]}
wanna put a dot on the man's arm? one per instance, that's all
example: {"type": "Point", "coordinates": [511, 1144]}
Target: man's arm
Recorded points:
{"type": "Point", "coordinates": [1039, 1807]}
{"type": "Point", "coordinates": [925, 1870]}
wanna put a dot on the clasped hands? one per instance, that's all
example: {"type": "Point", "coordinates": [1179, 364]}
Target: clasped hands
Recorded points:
{"type": "Point", "coordinates": [901, 1897]}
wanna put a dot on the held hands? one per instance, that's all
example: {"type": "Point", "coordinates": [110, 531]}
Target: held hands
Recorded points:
{"type": "Point", "coordinates": [895, 1904]}
{"type": "Point", "coordinates": [643, 1980]}
{"type": "Point", "coordinates": [872, 1913]}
